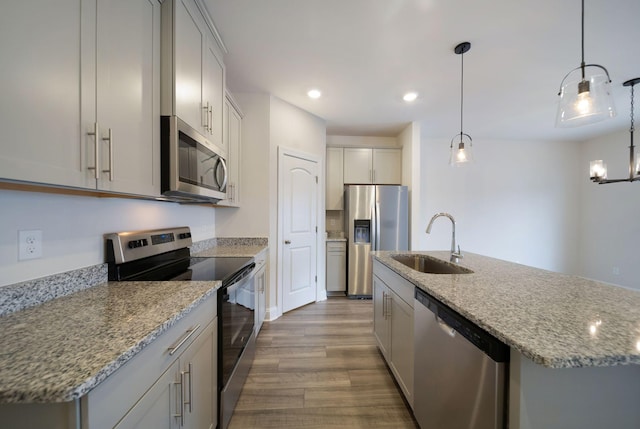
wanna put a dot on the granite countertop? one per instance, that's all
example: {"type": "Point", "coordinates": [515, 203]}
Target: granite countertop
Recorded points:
{"type": "Point", "coordinates": [556, 320]}
{"type": "Point", "coordinates": [59, 350]}
{"type": "Point", "coordinates": [231, 251]}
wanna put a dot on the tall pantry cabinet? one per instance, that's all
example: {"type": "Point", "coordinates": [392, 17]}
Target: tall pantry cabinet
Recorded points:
{"type": "Point", "coordinates": [80, 104]}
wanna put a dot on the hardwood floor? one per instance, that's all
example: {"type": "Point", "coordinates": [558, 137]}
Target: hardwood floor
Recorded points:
{"type": "Point", "coordinates": [319, 367]}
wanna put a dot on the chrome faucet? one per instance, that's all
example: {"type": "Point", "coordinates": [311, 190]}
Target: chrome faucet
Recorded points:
{"type": "Point", "coordinates": [454, 255]}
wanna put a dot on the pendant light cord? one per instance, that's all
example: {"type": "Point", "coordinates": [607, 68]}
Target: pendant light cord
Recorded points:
{"type": "Point", "coordinates": [632, 129]}
{"type": "Point", "coordinates": [582, 65]}
{"type": "Point", "coordinates": [462, 93]}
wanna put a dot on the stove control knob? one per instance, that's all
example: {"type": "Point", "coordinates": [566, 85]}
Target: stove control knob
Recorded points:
{"type": "Point", "coordinates": [184, 235]}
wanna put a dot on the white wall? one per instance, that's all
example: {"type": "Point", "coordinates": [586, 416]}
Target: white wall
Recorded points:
{"type": "Point", "coordinates": [610, 227]}
{"type": "Point", "coordinates": [73, 227]}
{"type": "Point", "coordinates": [270, 123]}
{"type": "Point", "coordinates": [409, 140]}
{"type": "Point", "coordinates": [252, 219]}
{"type": "Point", "coordinates": [518, 201]}
{"type": "Point", "coordinates": [298, 130]}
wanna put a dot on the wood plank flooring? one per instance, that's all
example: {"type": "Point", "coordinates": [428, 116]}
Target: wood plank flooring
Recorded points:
{"type": "Point", "coordinates": [319, 367]}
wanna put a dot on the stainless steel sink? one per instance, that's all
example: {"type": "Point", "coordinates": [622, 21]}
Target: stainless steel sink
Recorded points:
{"type": "Point", "coordinates": [427, 264]}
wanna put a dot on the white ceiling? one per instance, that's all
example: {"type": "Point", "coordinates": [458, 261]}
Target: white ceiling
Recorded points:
{"type": "Point", "coordinates": [365, 54]}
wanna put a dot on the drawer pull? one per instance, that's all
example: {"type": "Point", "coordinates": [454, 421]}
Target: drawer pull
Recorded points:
{"type": "Point", "coordinates": [188, 335]}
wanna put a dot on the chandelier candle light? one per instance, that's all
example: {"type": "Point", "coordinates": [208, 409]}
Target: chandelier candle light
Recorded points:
{"type": "Point", "coordinates": [585, 99]}
{"type": "Point", "coordinates": [598, 169]}
{"type": "Point", "coordinates": [461, 154]}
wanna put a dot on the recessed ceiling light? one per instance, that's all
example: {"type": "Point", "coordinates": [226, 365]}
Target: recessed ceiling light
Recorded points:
{"type": "Point", "coordinates": [314, 93]}
{"type": "Point", "coordinates": [410, 96]}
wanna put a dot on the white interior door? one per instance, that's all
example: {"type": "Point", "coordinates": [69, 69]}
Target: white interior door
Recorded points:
{"type": "Point", "coordinates": [298, 209]}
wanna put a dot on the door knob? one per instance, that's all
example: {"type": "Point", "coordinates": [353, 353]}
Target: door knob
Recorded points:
{"type": "Point", "coordinates": [287, 241]}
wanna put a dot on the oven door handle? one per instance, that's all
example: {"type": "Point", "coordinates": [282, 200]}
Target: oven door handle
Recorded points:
{"type": "Point", "coordinates": [184, 339]}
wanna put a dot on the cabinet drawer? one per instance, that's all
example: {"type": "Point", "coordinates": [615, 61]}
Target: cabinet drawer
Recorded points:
{"type": "Point", "coordinates": [105, 405]}
{"type": "Point", "coordinates": [403, 288]}
{"type": "Point", "coordinates": [336, 247]}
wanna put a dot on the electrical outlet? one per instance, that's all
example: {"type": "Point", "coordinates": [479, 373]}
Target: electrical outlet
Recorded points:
{"type": "Point", "coordinates": [29, 244]}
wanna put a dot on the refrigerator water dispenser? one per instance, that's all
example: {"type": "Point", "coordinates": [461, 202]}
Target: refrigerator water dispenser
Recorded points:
{"type": "Point", "coordinates": [362, 231]}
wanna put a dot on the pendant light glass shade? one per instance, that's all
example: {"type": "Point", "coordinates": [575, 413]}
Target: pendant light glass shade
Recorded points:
{"type": "Point", "coordinates": [461, 151]}
{"type": "Point", "coordinates": [585, 101]}
{"type": "Point", "coordinates": [585, 93]}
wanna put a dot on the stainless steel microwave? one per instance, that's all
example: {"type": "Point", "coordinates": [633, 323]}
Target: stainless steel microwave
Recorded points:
{"type": "Point", "coordinates": [191, 169]}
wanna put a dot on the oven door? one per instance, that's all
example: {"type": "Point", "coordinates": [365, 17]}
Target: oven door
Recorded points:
{"type": "Point", "coordinates": [236, 320]}
{"type": "Point", "coordinates": [191, 167]}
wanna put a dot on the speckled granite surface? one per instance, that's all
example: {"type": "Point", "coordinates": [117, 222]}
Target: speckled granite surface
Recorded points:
{"type": "Point", "coordinates": [222, 245]}
{"type": "Point", "coordinates": [60, 350]}
{"type": "Point", "coordinates": [233, 250]}
{"type": "Point", "coordinates": [56, 350]}
{"type": "Point", "coordinates": [554, 319]}
{"type": "Point", "coordinates": [27, 294]}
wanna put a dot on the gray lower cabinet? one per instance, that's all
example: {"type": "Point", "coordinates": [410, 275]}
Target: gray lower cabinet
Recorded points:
{"type": "Point", "coordinates": [393, 324]}
{"type": "Point", "coordinates": [170, 384]}
{"type": "Point", "coordinates": [336, 276]}
{"type": "Point", "coordinates": [183, 396]}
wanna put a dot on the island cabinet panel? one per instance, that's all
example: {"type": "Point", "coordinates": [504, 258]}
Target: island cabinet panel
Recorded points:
{"type": "Point", "coordinates": [80, 99]}
{"type": "Point", "coordinates": [572, 398]}
{"type": "Point", "coordinates": [393, 324]}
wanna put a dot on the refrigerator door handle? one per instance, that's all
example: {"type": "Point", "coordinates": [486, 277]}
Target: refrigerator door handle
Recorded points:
{"type": "Point", "coordinates": [377, 226]}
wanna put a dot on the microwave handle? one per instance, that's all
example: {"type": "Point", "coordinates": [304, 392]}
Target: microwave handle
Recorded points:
{"type": "Point", "coordinates": [226, 175]}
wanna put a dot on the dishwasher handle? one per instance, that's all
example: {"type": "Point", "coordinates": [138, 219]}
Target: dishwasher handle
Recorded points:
{"type": "Point", "coordinates": [452, 322]}
{"type": "Point", "coordinates": [446, 328]}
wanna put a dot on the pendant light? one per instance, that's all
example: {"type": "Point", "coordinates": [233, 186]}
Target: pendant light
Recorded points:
{"type": "Point", "coordinates": [585, 98]}
{"type": "Point", "coordinates": [598, 169]}
{"type": "Point", "coordinates": [460, 151]}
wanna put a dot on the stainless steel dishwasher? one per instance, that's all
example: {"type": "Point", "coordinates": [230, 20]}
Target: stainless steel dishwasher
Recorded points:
{"type": "Point", "coordinates": [461, 371]}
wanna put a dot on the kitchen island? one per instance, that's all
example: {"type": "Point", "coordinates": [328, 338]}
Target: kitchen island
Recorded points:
{"type": "Point", "coordinates": [575, 343]}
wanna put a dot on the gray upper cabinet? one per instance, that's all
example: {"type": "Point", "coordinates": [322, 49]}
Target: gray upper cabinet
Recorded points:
{"type": "Point", "coordinates": [81, 98]}
{"type": "Point", "coordinates": [372, 166]}
{"type": "Point", "coordinates": [43, 137]}
{"type": "Point", "coordinates": [192, 70]}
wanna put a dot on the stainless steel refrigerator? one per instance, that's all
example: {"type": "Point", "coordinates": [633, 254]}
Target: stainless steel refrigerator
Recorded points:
{"type": "Point", "coordinates": [376, 218]}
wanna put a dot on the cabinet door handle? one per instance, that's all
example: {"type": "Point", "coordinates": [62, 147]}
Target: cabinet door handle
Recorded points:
{"type": "Point", "coordinates": [187, 335]}
{"type": "Point", "coordinates": [389, 306]}
{"type": "Point", "coordinates": [384, 305]}
{"type": "Point", "coordinates": [96, 158]}
{"type": "Point", "coordinates": [205, 118]}
{"type": "Point", "coordinates": [210, 119]}
{"type": "Point", "coordinates": [190, 372]}
{"type": "Point", "coordinates": [109, 140]}
{"type": "Point", "coordinates": [180, 415]}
